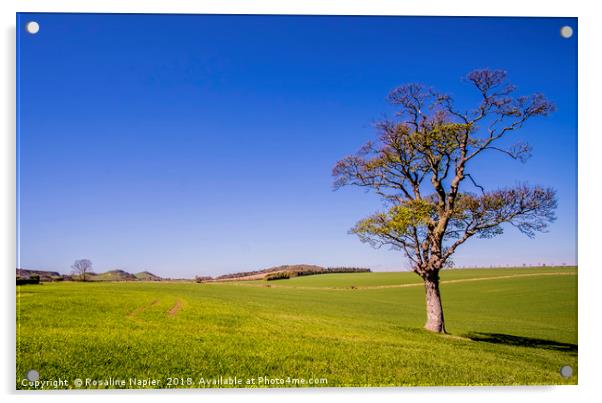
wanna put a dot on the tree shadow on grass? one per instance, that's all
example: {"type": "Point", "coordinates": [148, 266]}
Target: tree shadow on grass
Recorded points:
{"type": "Point", "coordinates": [510, 340]}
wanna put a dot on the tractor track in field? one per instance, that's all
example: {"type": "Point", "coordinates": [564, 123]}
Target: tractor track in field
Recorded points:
{"type": "Point", "coordinates": [418, 284]}
{"type": "Point", "coordinates": [142, 308]}
{"type": "Point", "coordinates": [173, 311]}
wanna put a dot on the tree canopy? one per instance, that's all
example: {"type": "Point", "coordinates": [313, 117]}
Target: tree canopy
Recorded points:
{"type": "Point", "coordinates": [420, 166]}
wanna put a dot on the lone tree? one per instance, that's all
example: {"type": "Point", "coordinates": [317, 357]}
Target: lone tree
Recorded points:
{"type": "Point", "coordinates": [82, 267]}
{"type": "Point", "coordinates": [420, 166]}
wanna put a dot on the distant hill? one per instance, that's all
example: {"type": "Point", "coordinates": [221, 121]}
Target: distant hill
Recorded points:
{"type": "Point", "coordinates": [113, 275]}
{"type": "Point", "coordinates": [122, 275]}
{"type": "Point", "coordinates": [45, 275]}
{"type": "Point", "coordinates": [147, 276]}
{"type": "Point", "coordinates": [287, 271]}
{"type": "Point", "coordinates": [259, 274]}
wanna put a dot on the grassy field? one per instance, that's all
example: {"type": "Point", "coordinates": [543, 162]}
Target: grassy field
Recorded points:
{"type": "Point", "coordinates": [507, 326]}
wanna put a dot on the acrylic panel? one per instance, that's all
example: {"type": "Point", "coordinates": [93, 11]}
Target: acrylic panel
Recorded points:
{"type": "Point", "coordinates": [217, 201]}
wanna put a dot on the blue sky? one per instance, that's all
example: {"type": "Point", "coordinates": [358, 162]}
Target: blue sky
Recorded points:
{"type": "Point", "coordinates": [188, 145]}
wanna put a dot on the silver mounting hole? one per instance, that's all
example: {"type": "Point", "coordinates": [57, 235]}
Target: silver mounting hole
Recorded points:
{"type": "Point", "coordinates": [32, 27]}
{"type": "Point", "coordinates": [33, 375]}
{"type": "Point", "coordinates": [566, 32]}
{"type": "Point", "coordinates": [566, 371]}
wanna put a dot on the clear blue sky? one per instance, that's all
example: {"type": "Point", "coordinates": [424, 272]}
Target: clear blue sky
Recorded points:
{"type": "Point", "coordinates": [189, 145]}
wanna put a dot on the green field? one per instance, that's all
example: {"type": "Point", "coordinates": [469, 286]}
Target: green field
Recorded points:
{"type": "Point", "coordinates": [507, 326]}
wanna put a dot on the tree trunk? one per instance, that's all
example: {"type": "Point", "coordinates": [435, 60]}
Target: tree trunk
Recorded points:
{"type": "Point", "coordinates": [434, 309]}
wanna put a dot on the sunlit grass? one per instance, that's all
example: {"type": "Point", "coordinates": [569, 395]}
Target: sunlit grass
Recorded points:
{"type": "Point", "coordinates": [307, 327]}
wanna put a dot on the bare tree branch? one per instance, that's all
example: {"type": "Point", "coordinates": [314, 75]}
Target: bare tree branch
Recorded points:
{"type": "Point", "coordinates": [433, 139]}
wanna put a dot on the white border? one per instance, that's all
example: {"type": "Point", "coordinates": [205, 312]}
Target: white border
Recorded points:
{"type": "Point", "coordinates": [589, 185]}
